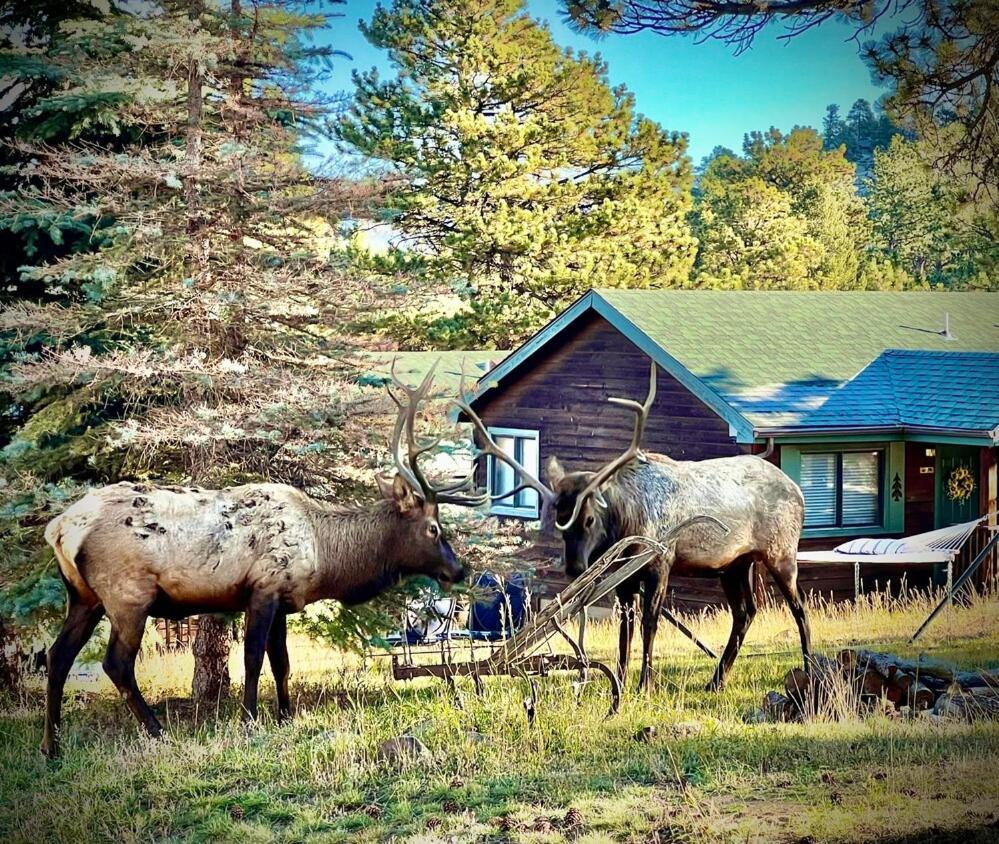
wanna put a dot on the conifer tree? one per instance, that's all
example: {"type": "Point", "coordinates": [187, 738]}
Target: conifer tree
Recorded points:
{"type": "Point", "coordinates": [196, 332]}
{"type": "Point", "coordinates": [522, 174]}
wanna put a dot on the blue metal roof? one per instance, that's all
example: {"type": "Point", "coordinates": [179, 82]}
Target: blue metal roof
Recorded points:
{"type": "Point", "coordinates": [908, 389]}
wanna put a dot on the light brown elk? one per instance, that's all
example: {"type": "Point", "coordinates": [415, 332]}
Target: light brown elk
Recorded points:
{"type": "Point", "coordinates": [131, 551]}
{"type": "Point", "coordinates": [640, 494]}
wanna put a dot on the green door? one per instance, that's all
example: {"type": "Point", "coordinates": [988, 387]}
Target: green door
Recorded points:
{"type": "Point", "coordinates": [948, 511]}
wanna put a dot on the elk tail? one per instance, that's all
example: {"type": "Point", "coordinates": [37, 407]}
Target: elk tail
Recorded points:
{"type": "Point", "coordinates": [66, 536]}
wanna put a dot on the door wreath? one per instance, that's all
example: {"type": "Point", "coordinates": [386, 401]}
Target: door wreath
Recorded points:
{"type": "Point", "coordinates": [960, 484]}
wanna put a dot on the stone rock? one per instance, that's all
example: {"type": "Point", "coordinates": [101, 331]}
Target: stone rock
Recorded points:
{"type": "Point", "coordinates": [475, 737]}
{"type": "Point", "coordinates": [405, 748]}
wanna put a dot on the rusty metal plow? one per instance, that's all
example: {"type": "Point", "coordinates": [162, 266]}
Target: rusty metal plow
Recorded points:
{"type": "Point", "coordinates": [519, 655]}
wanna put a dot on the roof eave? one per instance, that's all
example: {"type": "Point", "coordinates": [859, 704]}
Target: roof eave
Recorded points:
{"type": "Point", "coordinates": [740, 427]}
{"type": "Point", "coordinates": [834, 430]}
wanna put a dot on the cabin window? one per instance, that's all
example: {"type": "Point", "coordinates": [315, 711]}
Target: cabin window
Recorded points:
{"type": "Point", "coordinates": [522, 446]}
{"type": "Point", "coordinates": [842, 489]}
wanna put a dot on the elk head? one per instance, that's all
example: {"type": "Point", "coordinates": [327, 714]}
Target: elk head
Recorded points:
{"type": "Point", "coordinates": [587, 524]}
{"type": "Point", "coordinates": [574, 500]}
{"type": "Point", "coordinates": [423, 546]}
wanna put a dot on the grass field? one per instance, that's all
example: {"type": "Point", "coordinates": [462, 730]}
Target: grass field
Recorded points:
{"type": "Point", "coordinates": [705, 775]}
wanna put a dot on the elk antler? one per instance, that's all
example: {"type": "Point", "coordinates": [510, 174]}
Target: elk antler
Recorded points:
{"type": "Point", "coordinates": [489, 447]}
{"type": "Point", "coordinates": [633, 450]}
{"type": "Point", "coordinates": [409, 465]}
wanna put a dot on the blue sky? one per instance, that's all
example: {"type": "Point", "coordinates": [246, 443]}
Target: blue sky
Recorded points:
{"type": "Point", "coordinates": [701, 89]}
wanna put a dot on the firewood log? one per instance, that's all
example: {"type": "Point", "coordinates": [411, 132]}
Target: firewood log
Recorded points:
{"type": "Point", "coordinates": [797, 684]}
{"type": "Point", "coordinates": [776, 707]}
{"type": "Point", "coordinates": [911, 692]}
{"type": "Point", "coordinates": [870, 681]}
{"type": "Point", "coordinates": [926, 670]}
{"type": "Point", "coordinates": [967, 707]}
{"type": "Point", "coordinates": [847, 658]}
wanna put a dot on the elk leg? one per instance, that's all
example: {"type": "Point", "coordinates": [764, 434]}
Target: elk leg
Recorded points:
{"type": "Point", "coordinates": [119, 665]}
{"type": "Point", "coordinates": [786, 576]}
{"type": "Point", "coordinates": [737, 582]}
{"type": "Point", "coordinates": [625, 632]}
{"type": "Point", "coordinates": [277, 653]}
{"type": "Point", "coordinates": [654, 600]}
{"type": "Point", "coordinates": [79, 626]}
{"type": "Point", "coordinates": [259, 619]}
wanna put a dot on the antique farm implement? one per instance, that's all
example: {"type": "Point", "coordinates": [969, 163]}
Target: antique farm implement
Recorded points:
{"type": "Point", "coordinates": [529, 653]}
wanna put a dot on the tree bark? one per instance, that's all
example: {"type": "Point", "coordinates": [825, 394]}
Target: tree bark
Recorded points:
{"type": "Point", "coordinates": [211, 660]}
{"type": "Point", "coordinates": [10, 670]}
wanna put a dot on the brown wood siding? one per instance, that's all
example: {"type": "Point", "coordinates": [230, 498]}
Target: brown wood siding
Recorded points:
{"type": "Point", "coordinates": [563, 395]}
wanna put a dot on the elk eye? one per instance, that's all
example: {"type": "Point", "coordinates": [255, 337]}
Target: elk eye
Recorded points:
{"type": "Point", "coordinates": [589, 521]}
{"type": "Point", "coordinates": [434, 531]}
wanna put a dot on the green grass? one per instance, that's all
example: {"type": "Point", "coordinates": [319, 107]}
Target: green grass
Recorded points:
{"type": "Point", "coordinates": [706, 775]}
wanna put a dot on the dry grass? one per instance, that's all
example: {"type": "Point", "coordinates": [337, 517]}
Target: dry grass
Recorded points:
{"type": "Point", "coordinates": [490, 777]}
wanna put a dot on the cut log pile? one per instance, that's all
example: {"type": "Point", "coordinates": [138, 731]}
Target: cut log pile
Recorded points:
{"type": "Point", "coordinates": [862, 681]}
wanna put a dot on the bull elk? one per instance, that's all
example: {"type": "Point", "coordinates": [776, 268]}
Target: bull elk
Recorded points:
{"type": "Point", "coordinates": [640, 494]}
{"type": "Point", "coordinates": [132, 551]}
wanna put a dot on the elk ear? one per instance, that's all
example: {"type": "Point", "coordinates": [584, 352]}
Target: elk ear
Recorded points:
{"type": "Point", "coordinates": [555, 472]}
{"type": "Point", "coordinates": [401, 493]}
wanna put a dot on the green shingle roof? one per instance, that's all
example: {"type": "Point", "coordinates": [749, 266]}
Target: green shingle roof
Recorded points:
{"type": "Point", "coordinates": [768, 359]}
{"type": "Point", "coordinates": [750, 339]}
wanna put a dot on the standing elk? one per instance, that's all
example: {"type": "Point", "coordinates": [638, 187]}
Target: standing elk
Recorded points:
{"type": "Point", "coordinates": [639, 494]}
{"type": "Point", "coordinates": [131, 551]}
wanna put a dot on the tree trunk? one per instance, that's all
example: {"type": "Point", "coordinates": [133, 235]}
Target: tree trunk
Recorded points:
{"type": "Point", "coordinates": [211, 660]}
{"type": "Point", "coordinates": [10, 670]}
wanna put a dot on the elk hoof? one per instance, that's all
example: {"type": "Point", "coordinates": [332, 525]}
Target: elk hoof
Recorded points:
{"type": "Point", "coordinates": [715, 685]}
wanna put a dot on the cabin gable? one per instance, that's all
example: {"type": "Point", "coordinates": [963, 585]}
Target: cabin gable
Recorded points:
{"type": "Point", "coordinates": [562, 390]}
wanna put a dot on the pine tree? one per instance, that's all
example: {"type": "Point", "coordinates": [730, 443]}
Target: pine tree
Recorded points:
{"type": "Point", "coordinates": [926, 221]}
{"type": "Point", "coordinates": [784, 215]}
{"type": "Point", "coordinates": [198, 332]}
{"type": "Point", "coordinates": [522, 173]}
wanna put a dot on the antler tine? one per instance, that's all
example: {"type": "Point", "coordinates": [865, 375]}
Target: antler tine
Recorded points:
{"type": "Point", "coordinates": [397, 456]}
{"type": "Point", "coordinates": [641, 410]}
{"type": "Point", "coordinates": [409, 467]}
{"type": "Point", "coordinates": [489, 447]}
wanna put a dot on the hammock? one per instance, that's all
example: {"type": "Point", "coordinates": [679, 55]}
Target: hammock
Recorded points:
{"type": "Point", "coordinates": [934, 547]}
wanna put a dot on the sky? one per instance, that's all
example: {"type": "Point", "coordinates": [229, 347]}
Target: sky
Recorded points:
{"type": "Point", "coordinates": [704, 89]}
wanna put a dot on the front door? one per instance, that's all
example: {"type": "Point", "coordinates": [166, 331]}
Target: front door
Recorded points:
{"type": "Point", "coordinates": [951, 511]}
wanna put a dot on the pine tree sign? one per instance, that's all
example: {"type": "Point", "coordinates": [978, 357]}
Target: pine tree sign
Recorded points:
{"type": "Point", "coordinates": [896, 488]}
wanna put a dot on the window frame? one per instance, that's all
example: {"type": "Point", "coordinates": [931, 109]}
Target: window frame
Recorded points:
{"type": "Point", "coordinates": [504, 507]}
{"type": "Point", "coordinates": [837, 525]}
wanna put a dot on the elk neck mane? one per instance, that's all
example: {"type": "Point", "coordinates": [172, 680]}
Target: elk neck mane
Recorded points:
{"type": "Point", "coordinates": [640, 494]}
{"type": "Point", "coordinates": [355, 546]}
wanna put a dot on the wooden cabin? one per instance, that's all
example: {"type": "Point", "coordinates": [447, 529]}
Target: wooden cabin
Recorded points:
{"type": "Point", "coordinates": [869, 400]}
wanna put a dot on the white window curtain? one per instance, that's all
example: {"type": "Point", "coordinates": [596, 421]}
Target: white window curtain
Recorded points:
{"type": "Point", "coordinates": [860, 497]}
{"type": "Point", "coordinates": [818, 485]}
{"type": "Point", "coordinates": [841, 489]}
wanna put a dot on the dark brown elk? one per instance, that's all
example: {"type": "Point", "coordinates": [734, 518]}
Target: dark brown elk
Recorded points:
{"type": "Point", "coordinates": [132, 551]}
{"type": "Point", "coordinates": [639, 494]}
